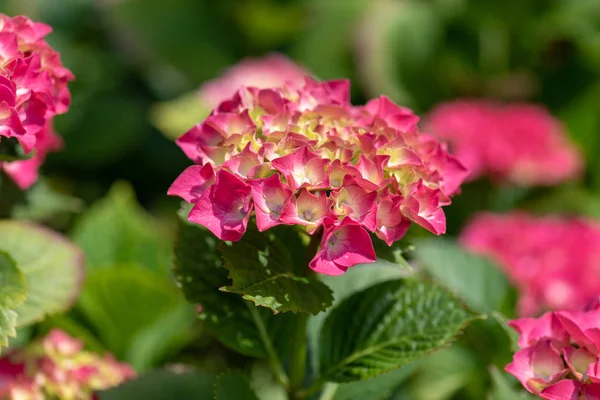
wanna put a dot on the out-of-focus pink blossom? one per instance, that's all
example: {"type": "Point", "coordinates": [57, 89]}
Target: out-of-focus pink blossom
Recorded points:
{"type": "Point", "coordinates": [559, 355]}
{"type": "Point", "coordinates": [553, 261]}
{"type": "Point", "coordinates": [56, 366]}
{"type": "Point", "coordinates": [518, 143]}
{"type": "Point", "coordinates": [272, 70]}
{"type": "Point", "coordinates": [303, 155]}
{"type": "Point", "coordinates": [33, 89]}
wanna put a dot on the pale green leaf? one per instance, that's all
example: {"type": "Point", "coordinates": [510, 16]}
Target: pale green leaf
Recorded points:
{"type": "Point", "coordinates": [139, 314]}
{"type": "Point", "coordinates": [117, 230]}
{"type": "Point", "coordinates": [474, 278]}
{"type": "Point", "coordinates": [52, 266]}
{"type": "Point", "coordinates": [12, 295]}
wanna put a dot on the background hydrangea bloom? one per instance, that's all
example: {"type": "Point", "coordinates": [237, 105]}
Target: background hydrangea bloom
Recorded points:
{"type": "Point", "coordinates": [306, 156]}
{"type": "Point", "coordinates": [518, 143]}
{"type": "Point", "coordinates": [272, 70]}
{"type": "Point", "coordinates": [553, 261]}
{"type": "Point", "coordinates": [559, 356]}
{"type": "Point", "coordinates": [33, 89]}
{"type": "Point", "coordinates": [56, 366]}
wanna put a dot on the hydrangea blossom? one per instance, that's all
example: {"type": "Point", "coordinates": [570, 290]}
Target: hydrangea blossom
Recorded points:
{"type": "Point", "coordinates": [553, 261]}
{"type": "Point", "coordinates": [33, 89]}
{"type": "Point", "coordinates": [56, 366]}
{"type": "Point", "coordinates": [272, 70]}
{"type": "Point", "coordinates": [516, 143]}
{"type": "Point", "coordinates": [560, 354]}
{"type": "Point", "coordinates": [306, 156]}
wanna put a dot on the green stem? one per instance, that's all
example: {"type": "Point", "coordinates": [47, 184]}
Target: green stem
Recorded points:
{"type": "Point", "coordinates": [300, 350]}
{"type": "Point", "coordinates": [274, 361]}
{"type": "Point", "coordinates": [312, 389]}
{"type": "Point", "coordinates": [299, 353]}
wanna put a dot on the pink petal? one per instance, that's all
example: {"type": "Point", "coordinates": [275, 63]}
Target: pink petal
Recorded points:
{"type": "Point", "coordinates": [563, 390]}
{"type": "Point", "coordinates": [308, 209]}
{"type": "Point", "coordinates": [422, 206]}
{"type": "Point", "coordinates": [532, 330]}
{"type": "Point", "coordinates": [579, 361]}
{"type": "Point", "coordinates": [224, 208]}
{"type": "Point", "coordinates": [343, 247]}
{"type": "Point", "coordinates": [537, 367]}
{"type": "Point", "coordinates": [270, 197]}
{"type": "Point", "coordinates": [193, 182]}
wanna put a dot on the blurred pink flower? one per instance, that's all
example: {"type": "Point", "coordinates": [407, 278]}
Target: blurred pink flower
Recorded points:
{"type": "Point", "coordinates": [56, 366]}
{"type": "Point", "coordinates": [517, 143]}
{"type": "Point", "coordinates": [272, 70]}
{"type": "Point", "coordinates": [553, 261]}
{"type": "Point", "coordinates": [559, 356]}
{"type": "Point", "coordinates": [306, 156]}
{"type": "Point", "coordinates": [33, 89]}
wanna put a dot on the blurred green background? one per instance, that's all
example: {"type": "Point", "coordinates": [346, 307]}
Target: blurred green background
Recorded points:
{"type": "Point", "coordinates": [129, 55]}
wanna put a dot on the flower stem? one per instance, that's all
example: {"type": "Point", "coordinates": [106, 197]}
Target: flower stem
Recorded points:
{"type": "Point", "coordinates": [312, 389]}
{"type": "Point", "coordinates": [300, 350]}
{"type": "Point", "coordinates": [299, 353]}
{"type": "Point", "coordinates": [274, 361]}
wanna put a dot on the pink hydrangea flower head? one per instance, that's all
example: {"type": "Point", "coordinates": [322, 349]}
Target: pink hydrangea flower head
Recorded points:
{"type": "Point", "coordinates": [33, 89]}
{"type": "Point", "coordinates": [552, 260]}
{"type": "Point", "coordinates": [56, 366]}
{"type": "Point", "coordinates": [517, 143]}
{"type": "Point", "coordinates": [303, 155]}
{"type": "Point", "coordinates": [559, 357]}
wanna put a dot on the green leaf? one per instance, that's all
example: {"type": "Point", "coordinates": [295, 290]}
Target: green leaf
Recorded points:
{"type": "Point", "coordinates": [164, 385]}
{"type": "Point", "coordinates": [378, 388]}
{"type": "Point", "coordinates": [200, 273]}
{"type": "Point", "coordinates": [262, 270]}
{"type": "Point", "coordinates": [354, 280]}
{"type": "Point", "coordinates": [117, 230]}
{"type": "Point", "coordinates": [139, 314]}
{"type": "Point", "coordinates": [451, 369]}
{"type": "Point", "coordinates": [12, 295]}
{"type": "Point", "coordinates": [474, 278]}
{"type": "Point", "coordinates": [387, 326]}
{"type": "Point", "coordinates": [52, 266]}
{"type": "Point", "coordinates": [233, 385]}
{"type": "Point", "coordinates": [503, 389]}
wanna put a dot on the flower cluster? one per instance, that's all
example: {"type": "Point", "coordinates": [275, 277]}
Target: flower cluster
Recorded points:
{"type": "Point", "coordinates": [560, 354]}
{"type": "Point", "coordinates": [516, 143]}
{"type": "Point", "coordinates": [308, 157]}
{"type": "Point", "coordinates": [272, 70]}
{"type": "Point", "coordinates": [33, 89]}
{"type": "Point", "coordinates": [553, 261]}
{"type": "Point", "coordinates": [57, 367]}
